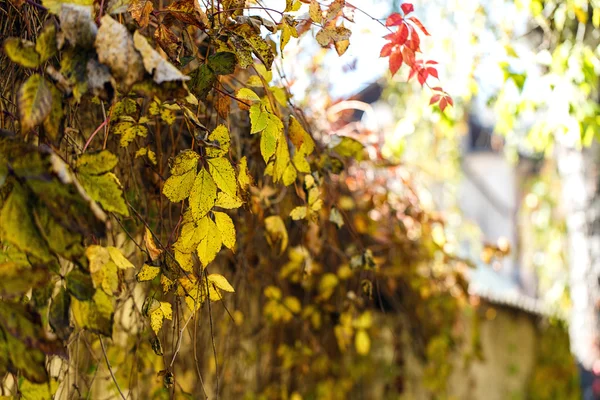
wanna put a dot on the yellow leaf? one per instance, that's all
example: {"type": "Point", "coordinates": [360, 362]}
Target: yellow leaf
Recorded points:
{"type": "Point", "coordinates": [178, 187]}
{"type": "Point", "coordinates": [221, 135]}
{"type": "Point", "coordinates": [210, 245]}
{"type": "Point", "coordinates": [22, 52]}
{"type": "Point", "coordinates": [247, 94]}
{"type": "Point", "coordinates": [362, 342]}
{"type": "Point", "coordinates": [220, 282]}
{"type": "Point", "coordinates": [365, 321]}
{"type": "Point", "coordinates": [106, 190]}
{"type": "Point", "coordinates": [185, 260]}
{"type": "Point", "coordinates": [226, 229]}
{"type": "Point", "coordinates": [167, 115]}
{"type": "Point", "coordinates": [185, 161]}
{"type": "Point", "coordinates": [190, 236]}
{"type": "Point", "coordinates": [118, 258]}
{"type": "Point", "coordinates": [166, 284]}
{"type": "Point", "coordinates": [272, 292]}
{"type": "Point", "coordinates": [203, 194]}
{"type": "Point", "coordinates": [147, 273]}
{"type": "Point", "coordinates": [287, 31]}
{"type": "Point", "coordinates": [35, 102]}
{"type": "Point", "coordinates": [223, 174]}
{"type": "Point", "coordinates": [277, 232]}
{"type": "Point", "coordinates": [304, 144]}
{"type": "Point", "coordinates": [158, 314]}
{"type": "Point", "coordinates": [299, 213]}
{"type": "Point", "coordinates": [259, 118]}
{"type": "Point", "coordinates": [226, 201]}
{"type": "Point", "coordinates": [254, 81]}
{"type": "Point", "coordinates": [243, 176]}
{"type": "Point", "coordinates": [327, 284]}
{"type": "Point", "coordinates": [315, 12]}
{"type": "Point", "coordinates": [292, 304]}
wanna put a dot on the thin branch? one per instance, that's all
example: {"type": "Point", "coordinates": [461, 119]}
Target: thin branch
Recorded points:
{"type": "Point", "coordinates": [110, 369]}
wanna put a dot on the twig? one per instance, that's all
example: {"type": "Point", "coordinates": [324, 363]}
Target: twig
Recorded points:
{"type": "Point", "coordinates": [110, 369]}
{"type": "Point", "coordinates": [94, 134]}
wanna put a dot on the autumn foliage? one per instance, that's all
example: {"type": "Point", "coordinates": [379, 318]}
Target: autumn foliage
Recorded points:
{"type": "Point", "coordinates": [171, 225]}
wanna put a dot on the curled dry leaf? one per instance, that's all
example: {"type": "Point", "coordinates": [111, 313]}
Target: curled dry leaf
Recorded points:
{"type": "Point", "coordinates": [162, 70]}
{"type": "Point", "coordinates": [115, 48]}
{"type": "Point", "coordinates": [77, 25]}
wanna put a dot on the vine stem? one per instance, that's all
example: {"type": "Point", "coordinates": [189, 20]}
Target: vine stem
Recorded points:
{"type": "Point", "coordinates": [179, 339]}
{"type": "Point", "coordinates": [87, 143]}
{"type": "Point", "coordinates": [110, 369]}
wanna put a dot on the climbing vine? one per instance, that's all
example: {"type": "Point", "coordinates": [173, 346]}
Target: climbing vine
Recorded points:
{"type": "Point", "coordinates": [171, 225]}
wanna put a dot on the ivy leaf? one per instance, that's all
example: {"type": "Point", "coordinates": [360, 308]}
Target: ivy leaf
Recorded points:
{"type": "Point", "coordinates": [22, 52]}
{"type": "Point", "coordinates": [161, 69]}
{"type": "Point", "coordinates": [220, 135]}
{"type": "Point", "coordinates": [211, 243]}
{"type": "Point", "coordinates": [223, 174]}
{"type": "Point", "coordinates": [222, 63]}
{"type": "Point", "coordinates": [226, 229]}
{"type": "Point", "coordinates": [276, 232]}
{"type": "Point", "coordinates": [45, 44]}
{"type": "Point", "coordinates": [140, 11]}
{"type": "Point", "coordinates": [147, 273]}
{"type": "Point", "coordinates": [203, 195]}
{"type": "Point", "coordinates": [35, 101]}
{"type": "Point", "coordinates": [116, 49]}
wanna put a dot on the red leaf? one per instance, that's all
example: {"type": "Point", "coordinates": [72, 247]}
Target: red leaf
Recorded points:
{"type": "Point", "coordinates": [422, 76]}
{"type": "Point", "coordinates": [394, 20]}
{"type": "Point", "coordinates": [386, 50]}
{"type": "Point", "coordinates": [407, 8]}
{"type": "Point", "coordinates": [450, 101]}
{"type": "Point", "coordinates": [418, 23]}
{"type": "Point", "coordinates": [433, 72]}
{"type": "Point", "coordinates": [413, 71]}
{"type": "Point", "coordinates": [437, 89]}
{"type": "Point", "coordinates": [399, 37]}
{"type": "Point", "coordinates": [431, 62]}
{"type": "Point", "coordinates": [414, 42]}
{"type": "Point", "coordinates": [395, 61]}
{"type": "Point", "coordinates": [434, 99]}
{"type": "Point", "coordinates": [443, 104]}
{"type": "Point", "coordinates": [409, 56]}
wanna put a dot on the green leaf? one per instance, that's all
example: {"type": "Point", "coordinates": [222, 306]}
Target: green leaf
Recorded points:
{"type": "Point", "coordinates": [106, 190]}
{"type": "Point", "coordinates": [35, 102]}
{"type": "Point", "coordinates": [226, 229]}
{"type": "Point", "coordinates": [347, 147]}
{"type": "Point", "coordinates": [220, 135]}
{"type": "Point", "coordinates": [17, 226]}
{"type": "Point", "coordinates": [247, 94]}
{"type": "Point", "coordinates": [52, 122]}
{"type": "Point", "coordinates": [202, 81]}
{"type": "Point", "coordinates": [96, 314]}
{"type": "Point", "coordinates": [96, 163]}
{"type": "Point", "coordinates": [22, 52]}
{"type": "Point", "coordinates": [222, 63]}
{"type": "Point", "coordinates": [45, 44]}
{"type": "Point", "coordinates": [37, 391]}
{"type": "Point", "coordinates": [223, 174]}
{"type": "Point", "coordinates": [202, 195]}
{"type": "Point", "coordinates": [80, 284]}
{"type": "Point", "coordinates": [58, 316]}
{"type": "Point", "coordinates": [16, 279]}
